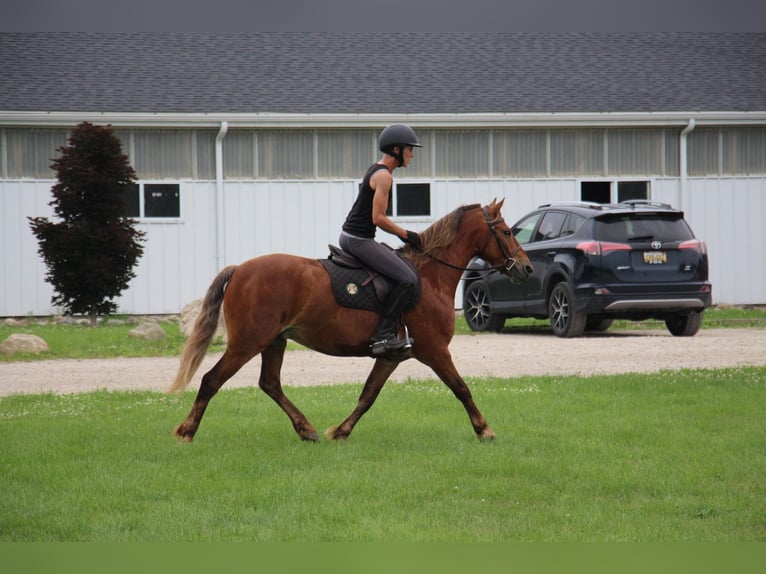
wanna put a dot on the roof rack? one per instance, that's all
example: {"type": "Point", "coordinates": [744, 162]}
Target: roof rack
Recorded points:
{"type": "Point", "coordinates": [628, 203]}
{"type": "Point", "coordinates": [591, 204]}
{"type": "Point", "coordinates": [647, 202]}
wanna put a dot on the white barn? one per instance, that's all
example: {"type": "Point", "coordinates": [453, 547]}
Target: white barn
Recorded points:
{"type": "Point", "coordinates": [247, 144]}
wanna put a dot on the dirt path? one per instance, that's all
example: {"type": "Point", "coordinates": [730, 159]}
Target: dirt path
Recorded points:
{"type": "Point", "coordinates": [504, 355]}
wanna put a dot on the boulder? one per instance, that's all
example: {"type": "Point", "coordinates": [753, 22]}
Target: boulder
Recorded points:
{"type": "Point", "coordinates": [189, 315]}
{"type": "Point", "coordinates": [18, 343]}
{"type": "Point", "coordinates": [149, 331]}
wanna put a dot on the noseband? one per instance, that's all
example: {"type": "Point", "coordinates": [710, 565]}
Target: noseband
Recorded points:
{"type": "Point", "coordinates": [508, 264]}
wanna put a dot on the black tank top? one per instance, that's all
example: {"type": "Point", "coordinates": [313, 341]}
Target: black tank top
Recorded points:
{"type": "Point", "coordinates": [359, 220]}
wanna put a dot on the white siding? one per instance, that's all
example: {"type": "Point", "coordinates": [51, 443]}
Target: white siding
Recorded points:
{"type": "Point", "coordinates": [23, 289]}
{"type": "Point", "coordinates": [302, 217]}
{"type": "Point", "coordinates": [729, 215]}
{"type": "Point", "coordinates": [178, 256]}
{"type": "Point", "coordinates": [297, 217]}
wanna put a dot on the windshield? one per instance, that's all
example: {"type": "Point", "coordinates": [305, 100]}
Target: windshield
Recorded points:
{"type": "Point", "coordinates": [637, 227]}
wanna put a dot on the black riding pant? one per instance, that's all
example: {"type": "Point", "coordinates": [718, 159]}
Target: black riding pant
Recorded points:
{"type": "Point", "coordinates": [378, 257]}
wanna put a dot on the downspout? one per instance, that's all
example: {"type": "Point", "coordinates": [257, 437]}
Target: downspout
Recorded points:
{"type": "Point", "coordinates": [219, 203]}
{"type": "Point", "coordinates": [683, 162]}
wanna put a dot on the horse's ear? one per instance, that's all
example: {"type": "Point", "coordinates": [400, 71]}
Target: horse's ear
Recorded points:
{"type": "Point", "coordinates": [495, 206]}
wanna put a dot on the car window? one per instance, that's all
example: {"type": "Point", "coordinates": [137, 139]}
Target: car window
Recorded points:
{"type": "Point", "coordinates": [523, 229]}
{"type": "Point", "coordinates": [572, 224]}
{"type": "Point", "coordinates": [550, 226]}
{"type": "Point", "coordinates": [643, 227]}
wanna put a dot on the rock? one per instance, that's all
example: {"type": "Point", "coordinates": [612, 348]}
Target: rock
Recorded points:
{"type": "Point", "coordinates": [18, 343]}
{"type": "Point", "coordinates": [189, 315]}
{"type": "Point", "coordinates": [148, 331]}
{"type": "Point", "coordinates": [11, 322]}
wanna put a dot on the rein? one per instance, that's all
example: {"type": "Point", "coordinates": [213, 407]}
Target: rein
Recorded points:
{"type": "Point", "coordinates": [509, 262]}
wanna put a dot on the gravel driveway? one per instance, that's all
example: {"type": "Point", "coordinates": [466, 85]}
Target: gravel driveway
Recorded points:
{"type": "Point", "coordinates": [478, 355]}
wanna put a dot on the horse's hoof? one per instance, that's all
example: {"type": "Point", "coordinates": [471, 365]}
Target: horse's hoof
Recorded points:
{"type": "Point", "coordinates": [487, 436]}
{"type": "Point", "coordinates": [181, 435]}
{"type": "Point", "coordinates": [311, 437]}
{"type": "Point", "coordinates": [183, 438]}
{"type": "Point", "coordinates": [332, 433]}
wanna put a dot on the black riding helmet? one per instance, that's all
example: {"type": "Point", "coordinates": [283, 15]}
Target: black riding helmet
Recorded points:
{"type": "Point", "coordinates": [397, 135]}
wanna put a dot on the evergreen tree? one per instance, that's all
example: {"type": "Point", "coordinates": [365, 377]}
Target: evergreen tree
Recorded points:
{"type": "Point", "coordinates": [90, 253]}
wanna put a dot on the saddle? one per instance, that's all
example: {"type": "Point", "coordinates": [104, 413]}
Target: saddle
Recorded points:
{"type": "Point", "coordinates": [357, 286]}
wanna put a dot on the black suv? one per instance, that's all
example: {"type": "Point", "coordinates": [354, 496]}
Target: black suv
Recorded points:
{"type": "Point", "coordinates": [595, 263]}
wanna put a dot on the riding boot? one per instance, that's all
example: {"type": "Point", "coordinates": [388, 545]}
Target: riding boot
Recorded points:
{"type": "Point", "coordinates": [386, 338]}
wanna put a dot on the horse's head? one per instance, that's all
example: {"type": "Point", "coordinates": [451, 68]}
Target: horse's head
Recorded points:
{"type": "Point", "coordinates": [501, 249]}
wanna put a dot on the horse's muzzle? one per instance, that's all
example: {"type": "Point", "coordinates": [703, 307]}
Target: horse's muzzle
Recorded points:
{"type": "Point", "coordinates": [516, 272]}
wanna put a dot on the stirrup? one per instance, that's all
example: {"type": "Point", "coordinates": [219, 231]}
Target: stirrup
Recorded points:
{"type": "Point", "coordinates": [393, 344]}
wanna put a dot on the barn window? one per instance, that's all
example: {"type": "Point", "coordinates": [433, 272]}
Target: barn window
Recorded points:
{"type": "Point", "coordinates": [410, 200]}
{"type": "Point", "coordinates": [461, 153]}
{"type": "Point", "coordinates": [608, 191]}
{"type": "Point", "coordinates": [30, 152]}
{"type": "Point", "coordinates": [153, 200]}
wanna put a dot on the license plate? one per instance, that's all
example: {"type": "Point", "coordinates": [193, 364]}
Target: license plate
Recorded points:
{"type": "Point", "coordinates": [655, 257]}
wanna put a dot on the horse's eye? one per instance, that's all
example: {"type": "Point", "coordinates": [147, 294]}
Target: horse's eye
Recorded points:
{"type": "Point", "coordinates": [507, 232]}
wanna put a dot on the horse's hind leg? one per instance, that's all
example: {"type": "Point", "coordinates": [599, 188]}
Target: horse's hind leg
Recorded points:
{"type": "Point", "coordinates": [226, 367]}
{"type": "Point", "coordinates": [269, 381]}
{"type": "Point", "coordinates": [381, 370]}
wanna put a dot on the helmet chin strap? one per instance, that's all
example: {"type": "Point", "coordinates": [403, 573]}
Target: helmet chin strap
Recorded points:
{"type": "Point", "coordinates": [399, 156]}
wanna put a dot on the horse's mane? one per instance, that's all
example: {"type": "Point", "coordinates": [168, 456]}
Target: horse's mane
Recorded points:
{"type": "Point", "coordinates": [440, 234]}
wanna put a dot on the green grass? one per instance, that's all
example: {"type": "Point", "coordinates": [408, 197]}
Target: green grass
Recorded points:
{"type": "Point", "coordinates": [672, 456]}
{"type": "Point", "coordinates": [720, 316]}
{"type": "Point", "coordinates": [106, 341]}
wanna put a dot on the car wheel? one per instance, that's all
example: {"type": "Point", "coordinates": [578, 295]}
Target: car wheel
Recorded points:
{"type": "Point", "coordinates": [598, 325]}
{"type": "Point", "coordinates": [476, 301]}
{"type": "Point", "coordinates": [565, 321]}
{"type": "Point", "coordinates": [685, 325]}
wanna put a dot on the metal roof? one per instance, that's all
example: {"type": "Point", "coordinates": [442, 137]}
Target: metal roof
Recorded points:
{"type": "Point", "coordinates": [391, 73]}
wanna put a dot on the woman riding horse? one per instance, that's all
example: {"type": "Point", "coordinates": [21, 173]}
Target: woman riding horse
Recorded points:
{"type": "Point", "coordinates": [276, 297]}
{"type": "Point", "coordinates": [367, 214]}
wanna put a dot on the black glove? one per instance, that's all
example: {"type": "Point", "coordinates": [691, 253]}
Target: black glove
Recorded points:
{"type": "Point", "coordinates": [414, 240]}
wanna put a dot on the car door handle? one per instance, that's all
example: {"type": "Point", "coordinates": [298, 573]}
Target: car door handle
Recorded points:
{"type": "Point", "coordinates": [551, 254]}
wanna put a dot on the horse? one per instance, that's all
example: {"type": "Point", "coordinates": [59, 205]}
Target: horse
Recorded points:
{"type": "Point", "coordinates": [272, 298]}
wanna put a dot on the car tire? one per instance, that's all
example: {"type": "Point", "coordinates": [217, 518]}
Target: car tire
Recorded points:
{"type": "Point", "coordinates": [598, 325]}
{"type": "Point", "coordinates": [476, 304]}
{"type": "Point", "coordinates": [565, 321]}
{"type": "Point", "coordinates": [685, 325]}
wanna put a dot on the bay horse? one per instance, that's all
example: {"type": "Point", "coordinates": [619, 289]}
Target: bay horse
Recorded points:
{"type": "Point", "coordinates": [272, 298]}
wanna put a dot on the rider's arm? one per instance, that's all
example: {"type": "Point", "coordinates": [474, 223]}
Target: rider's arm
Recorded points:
{"type": "Point", "coordinates": [382, 182]}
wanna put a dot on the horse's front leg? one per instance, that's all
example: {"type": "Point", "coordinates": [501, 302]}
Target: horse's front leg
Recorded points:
{"type": "Point", "coordinates": [381, 370]}
{"type": "Point", "coordinates": [445, 369]}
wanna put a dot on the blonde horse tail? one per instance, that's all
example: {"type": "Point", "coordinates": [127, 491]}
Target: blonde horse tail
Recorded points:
{"type": "Point", "coordinates": [204, 328]}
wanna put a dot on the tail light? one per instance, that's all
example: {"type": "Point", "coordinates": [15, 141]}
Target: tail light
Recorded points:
{"type": "Point", "coordinates": [601, 247]}
{"type": "Point", "coordinates": [695, 244]}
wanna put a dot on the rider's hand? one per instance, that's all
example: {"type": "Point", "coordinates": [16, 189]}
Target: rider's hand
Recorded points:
{"type": "Point", "coordinates": [414, 240]}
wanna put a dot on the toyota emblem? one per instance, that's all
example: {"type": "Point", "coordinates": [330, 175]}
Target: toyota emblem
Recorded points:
{"type": "Point", "coordinates": [656, 245]}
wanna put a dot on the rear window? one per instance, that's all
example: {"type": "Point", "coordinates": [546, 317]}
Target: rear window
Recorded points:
{"type": "Point", "coordinates": [666, 227]}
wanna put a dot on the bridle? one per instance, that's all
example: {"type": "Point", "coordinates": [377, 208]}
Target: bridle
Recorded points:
{"type": "Point", "coordinates": [508, 264]}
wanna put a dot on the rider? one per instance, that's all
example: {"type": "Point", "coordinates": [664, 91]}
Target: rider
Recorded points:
{"type": "Point", "coordinates": [367, 214]}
